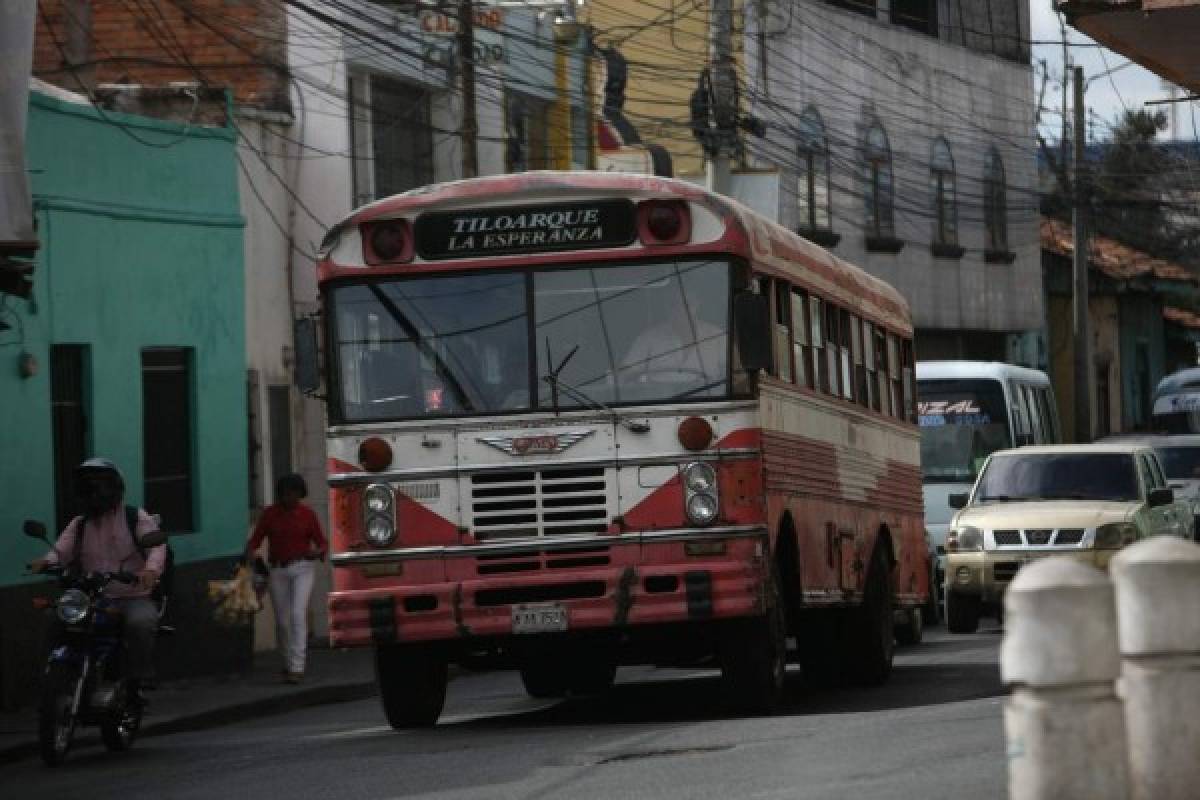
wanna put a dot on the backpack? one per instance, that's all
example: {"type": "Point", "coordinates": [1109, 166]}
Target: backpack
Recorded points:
{"type": "Point", "coordinates": [166, 580]}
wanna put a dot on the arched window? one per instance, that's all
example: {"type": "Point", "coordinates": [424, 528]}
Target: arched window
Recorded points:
{"type": "Point", "coordinates": [995, 204]}
{"type": "Point", "coordinates": [813, 182]}
{"type": "Point", "coordinates": [877, 189]}
{"type": "Point", "coordinates": [942, 190]}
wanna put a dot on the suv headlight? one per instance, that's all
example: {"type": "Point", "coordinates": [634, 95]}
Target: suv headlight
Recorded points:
{"type": "Point", "coordinates": [73, 606]}
{"type": "Point", "coordinates": [964, 540]}
{"type": "Point", "coordinates": [1115, 535]}
{"type": "Point", "coordinates": [378, 512]}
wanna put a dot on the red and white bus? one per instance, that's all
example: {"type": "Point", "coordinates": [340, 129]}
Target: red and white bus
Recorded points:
{"type": "Point", "coordinates": [578, 420]}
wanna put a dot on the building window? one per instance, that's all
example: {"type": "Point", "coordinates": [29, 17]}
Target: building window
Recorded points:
{"type": "Point", "coordinates": [995, 208]}
{"type": "Point", "coordinates": [527, 126]}
{"type": "Point", "coordinates": [391, 137]}
{"type": "Point", "coordinates": [877, 191]}
{"type": "Point", "coordinates": [813, 183]}
{"type": "Point", "coordinates": [167, 435]}
{"type": "Point", "coordinates": [919, 15]}
{"type": "Point", "coordinates": [945, 201]}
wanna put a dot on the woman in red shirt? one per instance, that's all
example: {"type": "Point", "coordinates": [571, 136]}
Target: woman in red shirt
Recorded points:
{"type": "Point", "coordinates": [294, 543]}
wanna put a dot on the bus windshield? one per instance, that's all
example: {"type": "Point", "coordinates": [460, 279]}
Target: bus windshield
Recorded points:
{"type": "Point", "coordinates": [472, 344]}
{"type": "Point", "coordinates": [963, 421]}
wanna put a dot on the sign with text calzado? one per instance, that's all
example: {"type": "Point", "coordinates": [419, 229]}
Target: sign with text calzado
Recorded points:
{"type": "Point", "coordinates": [526, 229]}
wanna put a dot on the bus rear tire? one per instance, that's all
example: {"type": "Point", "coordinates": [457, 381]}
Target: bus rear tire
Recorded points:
{"type": "Point", "coordinates": [412, 685]}
{"type": "Point", "coordinates": [873, 633]}
{"type": "Point", "coordinates": [754, 655]}
{"type": "Point", "coordinates": [962, 612]}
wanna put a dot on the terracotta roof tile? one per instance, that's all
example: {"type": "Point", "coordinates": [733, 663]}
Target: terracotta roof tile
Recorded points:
{"type": "Point", "coordinates": [1182, 317]}
{"type": "Point", "coordinates": [1116, 260]}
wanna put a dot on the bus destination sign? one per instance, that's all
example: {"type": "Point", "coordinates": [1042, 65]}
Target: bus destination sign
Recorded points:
{"type": "Point", "coordinates": [525, 229]}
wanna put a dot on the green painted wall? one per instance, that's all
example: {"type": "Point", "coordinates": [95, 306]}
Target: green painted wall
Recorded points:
{"type": "Point", "coordinates": [141, 247]}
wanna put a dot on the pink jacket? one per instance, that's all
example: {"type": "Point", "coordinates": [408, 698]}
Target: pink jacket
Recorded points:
{"type": "Point", "coordinates": [108, 547]}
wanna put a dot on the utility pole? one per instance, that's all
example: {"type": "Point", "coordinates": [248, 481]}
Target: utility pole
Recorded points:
{"type": "Point", "coordinates": [466, 63]}
{"type": "Point", "coordinates": [1080, 328]}
{"type": "Point", "coordinates": [725, 100]}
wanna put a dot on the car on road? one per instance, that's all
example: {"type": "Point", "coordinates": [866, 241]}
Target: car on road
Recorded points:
{"type": "Point", "coordinates": [1084, 501]}
{"type": "Point", "coordinates": [1180, 458]}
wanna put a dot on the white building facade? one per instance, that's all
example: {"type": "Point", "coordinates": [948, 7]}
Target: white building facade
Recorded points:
{"type": "Point", "coordinates": [902, 135]}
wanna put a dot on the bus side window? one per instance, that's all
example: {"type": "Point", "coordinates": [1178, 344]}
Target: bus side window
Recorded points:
{"type": "Point", "coordinates": [860, 370]}
{"type": "Point", "coordinates": [869, 364]}
{"type": "Point", "coordinates": [1020, 418]}
{"type": "Point", "coordinates": [847, 375]}
{"type": "Point", "coordinates": [881, 371]}
{"type": "Point", "coordinates": [910, 394]}
{"type": "Point", "coordinates": [816, 320]}
{"type": "Point", "coordinates": [781, 317]}
{"type": "Point", "coordinates": [1048, 411]}
{"type": "Point", "coordinates": [894, 385]}
{"type": "Point", "coordinates": [1035, 414]}
{"type": "Point", "coordinates": [832, 335]}
{"type": "Point", "coordinates": [800, 338]}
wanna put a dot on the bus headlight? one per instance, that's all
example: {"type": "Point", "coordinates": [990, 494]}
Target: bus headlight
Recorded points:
{"type": "Point", "coordinates": [699, 477]}
{"type": "Point", "coordinates": [378, 499]}
{"type": "Point", "coordinates": [73, 606]}
{"type": "Point", "coordinates": [964, 540]}
{"type": "Point", "coordinates": [702, 508]}
{"type": "Point", "coordinates": [381, 531]}
{"type": "Point", "coordinates": [1115, 535]}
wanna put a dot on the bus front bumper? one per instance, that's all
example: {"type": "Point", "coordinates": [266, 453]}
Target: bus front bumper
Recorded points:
{"type": "Point", "coordinates": [645, 579]}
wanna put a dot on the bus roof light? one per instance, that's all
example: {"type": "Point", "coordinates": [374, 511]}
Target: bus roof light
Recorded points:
{"type": "Point", "coordinates": [388, 241]}
{"type": "Point", "coordinates": [664, 222]}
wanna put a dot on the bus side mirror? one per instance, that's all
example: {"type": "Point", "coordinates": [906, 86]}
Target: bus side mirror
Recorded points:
{"type": "Point", "coordinates": [307, 371]}
{"type": "Point", "coordinates": [752, 325]}
{"type": "Point", "coordinates": [958, 501]}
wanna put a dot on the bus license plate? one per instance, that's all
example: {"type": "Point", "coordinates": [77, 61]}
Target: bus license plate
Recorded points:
{"type": "Point", "coordinates": [539, 618]}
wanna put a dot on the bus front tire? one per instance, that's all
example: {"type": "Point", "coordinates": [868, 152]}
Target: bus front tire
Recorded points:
{"type": "Point", "coordinates": [412, 685]}
{"type": "Point", "coordinates": [962, 612]}
{"type": "Point", "coordinates": [754, 655]}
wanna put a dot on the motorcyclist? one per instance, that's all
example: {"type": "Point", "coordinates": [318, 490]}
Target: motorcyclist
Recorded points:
{"type": "Point", "coordinates": [99, 540]}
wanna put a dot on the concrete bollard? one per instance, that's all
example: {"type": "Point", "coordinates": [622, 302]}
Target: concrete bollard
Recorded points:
{"type": "Point", "coordinates": [1158, 611]}
{"type": "Point", "coordinates": [1064, 726]}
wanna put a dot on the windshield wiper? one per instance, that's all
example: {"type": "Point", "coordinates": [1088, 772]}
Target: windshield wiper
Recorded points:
{"type": "Point", "coordinates": [556, 383]}
{"type": "Point", "coordinates": [1000, 498]}
{"type": "Point", "coordinates": [1065, 496]}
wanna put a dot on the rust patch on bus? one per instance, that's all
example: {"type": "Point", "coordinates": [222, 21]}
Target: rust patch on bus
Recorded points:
{"type": "Point", "coordinates": [463, 629]}
{"type": "Point", "coordinates": [624, 595]}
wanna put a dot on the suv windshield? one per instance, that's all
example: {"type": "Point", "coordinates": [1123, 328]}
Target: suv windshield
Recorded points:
{"type": "Point", "coordinates": [962, 423]}
{"type": "Point", "coordinates": [471, 344]}
{"type": "Point", "coordinates": [1180, 463]}
{"type": "Point", "coordinates": [1058, 476]}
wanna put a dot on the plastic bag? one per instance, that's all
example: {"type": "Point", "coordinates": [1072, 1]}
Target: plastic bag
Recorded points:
{"type": "Point", "coordinates": [235, 600]}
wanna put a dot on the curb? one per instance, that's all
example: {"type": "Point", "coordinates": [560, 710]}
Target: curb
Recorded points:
{"type": "Point", "coordinates": [228, 715]}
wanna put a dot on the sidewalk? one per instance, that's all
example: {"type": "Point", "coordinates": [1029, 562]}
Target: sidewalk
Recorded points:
{"type": "Point", "coordinates": [333, 676]}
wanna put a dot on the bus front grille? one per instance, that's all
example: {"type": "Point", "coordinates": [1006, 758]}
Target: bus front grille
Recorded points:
{"type": "Point", "coordinates": [541, 502]}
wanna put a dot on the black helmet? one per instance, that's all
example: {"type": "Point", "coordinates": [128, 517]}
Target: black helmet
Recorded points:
{"type": "Point", "coordinates": [97, 466]}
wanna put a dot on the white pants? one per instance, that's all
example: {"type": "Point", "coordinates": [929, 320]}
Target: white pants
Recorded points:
{"type": "Point", "coordinates": [291, 587]}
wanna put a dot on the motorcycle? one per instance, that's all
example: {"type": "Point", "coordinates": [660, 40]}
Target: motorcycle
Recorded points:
{"type": "Point", "coordinates": [83, 684]}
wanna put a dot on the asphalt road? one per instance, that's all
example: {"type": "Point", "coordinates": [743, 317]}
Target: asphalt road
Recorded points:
{"type": "Point", "coordinates": [934, 731]}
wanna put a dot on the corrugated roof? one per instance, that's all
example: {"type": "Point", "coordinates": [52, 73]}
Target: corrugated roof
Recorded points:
{"type": "Point", "coordinates": [1116, 260]}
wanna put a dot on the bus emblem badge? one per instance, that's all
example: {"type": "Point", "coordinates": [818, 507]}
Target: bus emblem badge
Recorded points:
{"type": "Point", "coordinates": [535, 444]}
